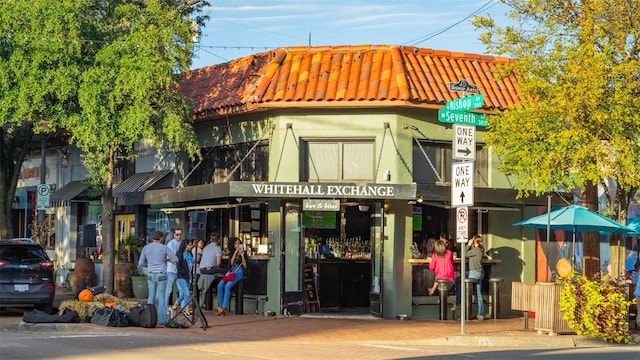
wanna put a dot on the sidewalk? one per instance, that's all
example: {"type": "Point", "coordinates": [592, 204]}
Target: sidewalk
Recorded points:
{"type": "Point", "coordinates": [334, 327]}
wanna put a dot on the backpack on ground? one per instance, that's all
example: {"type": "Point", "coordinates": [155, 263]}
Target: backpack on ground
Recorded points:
{"type": "Point", "coordinates": [143, 316]}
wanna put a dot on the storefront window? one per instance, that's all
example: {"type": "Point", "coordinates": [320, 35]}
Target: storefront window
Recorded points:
{"type": "Point", "coordinates": [436, 166]}
{"type": "Point", "coordinates": [219, 163]}
{"type": "Point", "coordinates": [346, 160]}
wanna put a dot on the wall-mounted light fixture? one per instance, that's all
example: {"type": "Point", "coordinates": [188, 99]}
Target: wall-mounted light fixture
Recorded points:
{"type": "Point", "coordinates": [363, 207]}
{"type": "Point", "coordinates": [420, 199]}
{"type": "Point", "coordinates": [289, 126]}
{"type": "Point", "coordinates": [387, 175]}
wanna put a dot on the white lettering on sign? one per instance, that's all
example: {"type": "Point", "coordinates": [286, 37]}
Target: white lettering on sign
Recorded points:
{"type": "Point", "coordinates": [462, 184]}
{"type": "Point", "coordinates": [330, 190]}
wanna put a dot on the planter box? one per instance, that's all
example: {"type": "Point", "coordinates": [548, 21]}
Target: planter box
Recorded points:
{"type": "Point", "coordinates": [548, 315]}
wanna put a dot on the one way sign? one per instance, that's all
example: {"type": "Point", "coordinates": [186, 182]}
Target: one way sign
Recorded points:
{"type": "Point", "coordinates": [462, 184]}
{"type": "Point", "coordinates": [464, 142]}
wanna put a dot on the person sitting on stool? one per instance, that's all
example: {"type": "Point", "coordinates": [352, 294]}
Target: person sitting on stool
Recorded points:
{"type": "Point", "coordinates": [238, 266]}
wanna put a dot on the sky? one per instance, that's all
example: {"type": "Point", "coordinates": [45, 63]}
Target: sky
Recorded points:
{"type": "Point", "coordinates": [239, 28]}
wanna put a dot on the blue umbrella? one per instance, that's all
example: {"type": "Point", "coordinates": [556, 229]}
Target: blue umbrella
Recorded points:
{"type": "Point", "coordinates": [634, 223]}
{"type": "Point", "coordinates": [575, 218]}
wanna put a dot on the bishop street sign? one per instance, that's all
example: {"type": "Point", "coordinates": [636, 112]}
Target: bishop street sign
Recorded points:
{"type": "Point", "coordinates": [466, 103]}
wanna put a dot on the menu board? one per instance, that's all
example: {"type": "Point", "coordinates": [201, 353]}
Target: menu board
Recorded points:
{"type": "Point", "coordinates": [311, 293]}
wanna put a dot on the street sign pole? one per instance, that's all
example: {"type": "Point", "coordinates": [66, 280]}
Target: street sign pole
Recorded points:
{"type": "Point", "coordinates": [464, 144]}
{"type": "Point", "coordinates": [462, 234]}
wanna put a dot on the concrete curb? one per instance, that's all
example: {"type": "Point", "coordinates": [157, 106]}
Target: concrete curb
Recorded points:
{"type": "Point", "coordinates": [515, 341]}
{"type": "Point", "coordinates": [73, 328]}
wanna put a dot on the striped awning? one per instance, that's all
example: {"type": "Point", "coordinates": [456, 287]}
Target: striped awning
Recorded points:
{"type": "Point", "coordinates": [67, 193]}
{"type": "Point", "coordinates": [131, 191]}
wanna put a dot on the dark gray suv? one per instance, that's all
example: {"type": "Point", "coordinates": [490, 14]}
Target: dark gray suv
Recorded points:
{"type": "Point", "coordinates": [26, 275]}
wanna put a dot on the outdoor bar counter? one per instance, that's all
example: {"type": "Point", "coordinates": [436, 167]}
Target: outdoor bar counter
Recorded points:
{"type": "Point", "coordinates": [423, 278]}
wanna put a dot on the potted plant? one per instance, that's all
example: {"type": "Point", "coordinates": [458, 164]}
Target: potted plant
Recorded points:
{"type": "Point", "coordinates": [136, 284]}
{"type": "Point", "coordinates": [128, 248]}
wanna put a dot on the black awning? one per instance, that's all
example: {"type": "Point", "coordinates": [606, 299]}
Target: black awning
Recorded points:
{"type": "Point", "coordinates": [131, 191]}
{"type": "Point", "coordinates": [68, 192]}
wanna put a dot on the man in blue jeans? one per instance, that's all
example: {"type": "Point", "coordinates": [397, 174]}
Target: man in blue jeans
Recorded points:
{"type": "Point", "coordinates": [172, 269]}
{"type": "Point", "coordinates": [475, 253]}
{"type": "Point", "coordinates": [155, 257]}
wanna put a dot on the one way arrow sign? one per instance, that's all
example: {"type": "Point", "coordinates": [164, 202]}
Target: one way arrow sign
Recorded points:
{"type": "Point", "coordinates": [464, 142]}
{"type": "Point", "coordinates": [462, 184]}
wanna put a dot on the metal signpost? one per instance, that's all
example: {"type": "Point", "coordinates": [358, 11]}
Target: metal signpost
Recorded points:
{"type": "Point", "coordinates": [464, 148]}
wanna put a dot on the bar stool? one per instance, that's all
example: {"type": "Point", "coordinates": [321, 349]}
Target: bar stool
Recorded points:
{"type": "Point", "coordinates": [469, 286]}
{"type": "Point", "coordinates": [443, 287]}
{"type": "Point", "coordinates": [494, 282]}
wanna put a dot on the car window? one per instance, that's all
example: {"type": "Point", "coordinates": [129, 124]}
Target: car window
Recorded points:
{"type": "Point", "coordinates": [21, 253]}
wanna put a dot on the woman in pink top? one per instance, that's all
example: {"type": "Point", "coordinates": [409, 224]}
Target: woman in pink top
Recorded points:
{"type": "Point", "coordinates": [441, 264]}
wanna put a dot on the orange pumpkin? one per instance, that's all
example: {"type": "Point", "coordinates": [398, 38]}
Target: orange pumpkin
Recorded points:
{"type": "Point", "coordinates": [110, 304]}
{"type": "Point", "coordinates": [85, 295]}
{"type": "Point", "coordinates": [563, 267]}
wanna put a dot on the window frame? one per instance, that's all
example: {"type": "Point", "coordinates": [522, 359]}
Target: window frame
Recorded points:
{"type": "Point", "coordinates": [306, 161]}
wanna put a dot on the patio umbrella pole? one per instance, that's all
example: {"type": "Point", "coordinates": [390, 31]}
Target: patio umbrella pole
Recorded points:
{"type": "Point", "coordinates": [548, 267]}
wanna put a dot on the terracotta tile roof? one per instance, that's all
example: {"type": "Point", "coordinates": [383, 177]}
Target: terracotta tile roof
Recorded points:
{"type": "Point", "coordinates": [370, 75]}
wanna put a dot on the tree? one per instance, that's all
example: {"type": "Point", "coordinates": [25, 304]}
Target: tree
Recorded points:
{"type": "Point", "coordinates": [128, 94]}
{"type": "Point", "coordinates": [103, 72]}
{"type": "Point", "coordinates": [39, 69]}
{"type": "Point", "coordinates": [578, 122]}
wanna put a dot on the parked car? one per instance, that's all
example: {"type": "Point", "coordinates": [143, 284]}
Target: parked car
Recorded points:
{"type": "Point", "coordinates": [26, 275]}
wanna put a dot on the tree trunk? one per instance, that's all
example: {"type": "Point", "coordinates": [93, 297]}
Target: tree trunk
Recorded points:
{"type": "Point", "coordinates": [590, 240]}
{"type": "Point", "coordinates": [108, 245]}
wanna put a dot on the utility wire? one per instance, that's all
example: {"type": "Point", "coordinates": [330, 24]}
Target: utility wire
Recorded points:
{"type": "Point", "coordinates": [439, 32]}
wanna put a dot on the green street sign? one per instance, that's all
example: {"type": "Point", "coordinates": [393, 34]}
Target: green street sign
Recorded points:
{"type": "Point", "coordinates": [461, 117]}
{"type": "Point", "coordinates": [466, 103]}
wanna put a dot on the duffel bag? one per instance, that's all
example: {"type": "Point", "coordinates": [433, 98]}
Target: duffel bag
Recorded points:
{"type": "Point", "coordinates": [143, 316]}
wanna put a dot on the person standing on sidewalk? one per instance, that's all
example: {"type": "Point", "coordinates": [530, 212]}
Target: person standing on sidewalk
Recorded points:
{"type": "Point", "coordinates": [475, 253]}
{"type": "Point", "coordinates": [185, 261]}
{"type": "Point", "coordinates": [172, 269]}
{"type": "Point", "coordinates": [155, 257]}
{"type": "Point", "coordinates": [636, 280]}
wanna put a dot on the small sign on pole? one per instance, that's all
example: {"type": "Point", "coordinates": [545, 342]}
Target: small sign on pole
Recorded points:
{"type": "Point", "coordinates": [462, 225]}
{"type": "Point", "coordinates": [462, 184]}
{"type": "Point", "coordinates": [464, 142]}
{"type": "Point", "coordinates": [44, 193]}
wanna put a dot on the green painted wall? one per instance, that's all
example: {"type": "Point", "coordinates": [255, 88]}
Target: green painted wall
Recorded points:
{"type": "Point", "coordinates": [286, 130]}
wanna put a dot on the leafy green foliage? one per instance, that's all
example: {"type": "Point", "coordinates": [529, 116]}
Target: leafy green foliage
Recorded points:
{"type": "Point", "coordinates": [104, 73]}
{"type": "Point", "coordinates": [596, 308]}
{"type": "Point", "coordinates": [577, 67]}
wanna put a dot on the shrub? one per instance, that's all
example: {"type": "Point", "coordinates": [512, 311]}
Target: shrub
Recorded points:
{"type": "Point", "coordinates": [596, 308]}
